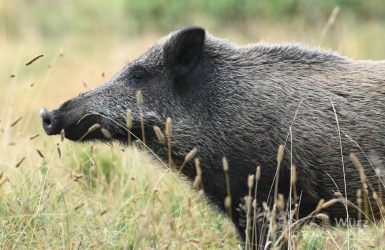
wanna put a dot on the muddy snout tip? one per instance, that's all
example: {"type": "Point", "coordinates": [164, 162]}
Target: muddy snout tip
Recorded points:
{"type": "Point", "coordinates": [50, 123]}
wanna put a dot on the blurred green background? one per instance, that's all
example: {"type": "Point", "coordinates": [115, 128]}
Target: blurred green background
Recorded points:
{"type": "Point", "coordinates": [361, 23]}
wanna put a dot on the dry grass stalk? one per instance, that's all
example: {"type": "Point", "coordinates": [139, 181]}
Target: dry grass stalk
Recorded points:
{"type": "Point", "coordinates": [129, 125]}
{"type": "Point", "coordinates": [2, 182]}
{"type": "Point", "coordinates": [198, 178]}
{"type": "Point", "coordinates": [159, 134]}
{"type": "Point", "coordinates": [33, 60]}
{"type": "Point", "coordinates": [62, 135]}
{"type": "Point", "coordinates": [250, 183]}
{"type": "Point", "coordinates": [257, 177]}
{"type": "Point", "coordinates": [58, 150]}
{"type": "Point", "coordinates": [139, 100]}
{"type": "Point", "coordinates": [378, 173]}
{"type": "Point", "coordinates": [279, 160]}
{"type": "Point", "coordinates": [34, 136]}
{"type": "Point", "coordinates": [200, 194]}
{"type": "Point", "coordinates": [81, 166]}
{"type": "Point", "coordinates": [228, 198]}
{"type": "Point", "coordinates": [330, 22]}
{"type": "Point", "coordinates": [16, 121]}
{"type": "Point", "coordinates": [40, 153]}
{"type": "Point", "coordinates": [19, 163]}
{"type": "Point", "coordinates": [169, 133]}
{"type": "Point", "coordinates": [363, 178]}
{"type": "Point", "coordinates": [319, 206]}
{"type": "Point", "coordinates": [197, 181]}
{"type": "Point", "coordinates": [106, 134]}
{"type": "Point", "coordinates": [79, 205]}
{"type": "Point", "coordinates": [359, 203]}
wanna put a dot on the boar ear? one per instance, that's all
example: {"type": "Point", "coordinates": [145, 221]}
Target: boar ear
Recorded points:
{"type": "Point", "coordinates": [184, 49]}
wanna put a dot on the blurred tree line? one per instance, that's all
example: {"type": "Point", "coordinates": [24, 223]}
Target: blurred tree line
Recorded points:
{"type": "Point", "coordinates": [55, 19]}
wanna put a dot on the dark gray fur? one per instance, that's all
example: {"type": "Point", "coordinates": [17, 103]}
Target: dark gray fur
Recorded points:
{"type": "Point", "coordinates": [240, 102]}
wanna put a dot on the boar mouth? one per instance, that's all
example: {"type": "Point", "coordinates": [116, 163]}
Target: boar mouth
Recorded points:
{"type": "Point", "coordinates": [74, 129]}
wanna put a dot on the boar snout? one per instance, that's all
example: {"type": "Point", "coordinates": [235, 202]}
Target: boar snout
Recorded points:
{"type": "Point", "coordinates": [50, 122]}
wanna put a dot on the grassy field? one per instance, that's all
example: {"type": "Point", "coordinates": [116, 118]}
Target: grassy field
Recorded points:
{"type": "Point", "coordinates": [123, 198]}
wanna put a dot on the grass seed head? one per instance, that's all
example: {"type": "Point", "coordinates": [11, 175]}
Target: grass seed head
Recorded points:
{"type": "Point", "coordinates": [359, 167]}
{"type": "Point", "coordinates": [338, 194]}
{"type": "Point", "coordinates": [16, 121]}
{"type": "Point", "coordinates": [197, 167]}
{"type": "Point", "coordinates": [94, 127]}
{"type": "Point", "coordinates": [322, 217]}
{"type": "Point", "coordinates": [375, 196]}
{"type": "Point", "coordinates": [79, 205]}
{"type": "Point", "coordinates": [359, 193]}
{"type": "Point", "coordinates": [34, 136]}
{"type": "Point", "coordinates": [62, 135]}
{"type": "Point", "coordinates": [168, 127]}
{"type": "Point", "coordinates": [225, 164]}
{"type": "Point", "coordinates": [294, 175]}
{"type": "Point", "coordinates": [106, 133]}
{"type": "Point", "coordinates": [281, 202]}
{"type": "Point", "coordinates": [33, 60]}
{"type": "Point", "coordinates": [19, 163]}
{"type": "Point", "coordinates": [258, 173]}
{"type": "Point", "coordinates": [250, 181]}
{"type": "Point", "coordinates": [40, 153]}
{"type": "Point", "coordinates": [129, 119]}
{"type": "Point", "coordinates": [159, 134]}
{"type": "Point", "coordinates": [190, 155]}
{"type": "Point", "coordinates": [329, 203]}
{"type": "Point", "coordinates": [58, 150]}
{"type": "Point", "coordinates": [139, 98]}
{"type": "Point", "coordinates": [280, 154]}
{"type": "Point", "coordinates": [319, 206]}
{"type": "Point", "coordinates": [79, 176]}
{"type": "Point", "coordinates": [227, 201]}
{"type": "Point", "coordinates": [197, 181]}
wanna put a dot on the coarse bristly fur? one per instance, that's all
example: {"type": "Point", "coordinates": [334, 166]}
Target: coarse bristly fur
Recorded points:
{"type": "Point", "coordinates": [240, 102]}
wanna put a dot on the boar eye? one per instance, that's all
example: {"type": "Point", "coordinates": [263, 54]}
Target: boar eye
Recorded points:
{"type": "Point", "coordinates": [136, 76]}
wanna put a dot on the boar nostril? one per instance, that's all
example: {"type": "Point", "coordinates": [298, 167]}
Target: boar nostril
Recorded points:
{"type": "Point", "coordinates": [47, 120]}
